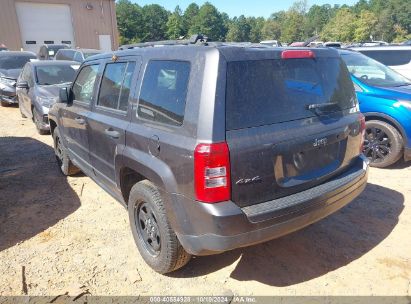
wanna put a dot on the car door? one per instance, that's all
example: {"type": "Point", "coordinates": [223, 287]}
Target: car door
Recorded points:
{"type": "Point", "coordinates": [110, 117]}
{"type": "Point", "coordinates": [24, 94]}
{"type": "Point", "coordinates": [75, 115]}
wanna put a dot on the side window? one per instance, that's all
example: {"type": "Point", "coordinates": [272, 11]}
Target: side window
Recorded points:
{"type": "Point", "coordinates": [84, 84]}
{"type": "Point", "coordinates": [115, 85]}
{"type": "Point", "coordinates": [163, 92]}
{"type": "Point", "coordinates": [78, 57]}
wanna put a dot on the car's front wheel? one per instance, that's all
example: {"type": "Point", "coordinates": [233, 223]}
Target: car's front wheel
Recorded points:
{"type": "Point", "coordinates": [63, 160]}
{"type": "Point", "coordinates": [383, 144]}
{"type": "Point", "coordinates": [155, 239]}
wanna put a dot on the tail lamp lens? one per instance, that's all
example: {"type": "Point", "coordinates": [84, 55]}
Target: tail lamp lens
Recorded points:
{"type": "Point", "coordinates": [212, 172]}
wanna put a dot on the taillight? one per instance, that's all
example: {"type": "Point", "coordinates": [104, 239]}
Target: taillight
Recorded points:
{"type": "Point", "coordinates": [362, 131]}
{"type": "Point", "coordinates": [297, 54]}
{"type": "Point", "coordinates": [212, 172]}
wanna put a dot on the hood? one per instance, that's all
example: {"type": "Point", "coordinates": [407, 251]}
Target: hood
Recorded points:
{"type": "Point", "coordinates": [403, 92]}
{"type": "Point", "coordinates": [13, 73]}
{"type": "Point", "coordinates": [48, 91]}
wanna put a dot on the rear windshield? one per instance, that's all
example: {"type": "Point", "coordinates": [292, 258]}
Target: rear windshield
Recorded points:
{"type": "Point", "coordinates": [14, 62]}
{"type": "Point", "coordinates": [271, 91]}
{"type": "Point", "coordinates": [390, 57]}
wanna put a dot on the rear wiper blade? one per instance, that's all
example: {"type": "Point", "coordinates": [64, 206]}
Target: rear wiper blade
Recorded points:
{"type": "Point", "coordinates": [319, 108]}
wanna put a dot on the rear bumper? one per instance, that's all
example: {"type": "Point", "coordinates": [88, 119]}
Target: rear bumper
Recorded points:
{"type": "Point", "coordinates": [205, 229]}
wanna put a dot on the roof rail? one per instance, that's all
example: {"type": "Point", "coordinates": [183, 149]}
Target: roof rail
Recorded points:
{"type": "Point", "coordinates": [195, 39]}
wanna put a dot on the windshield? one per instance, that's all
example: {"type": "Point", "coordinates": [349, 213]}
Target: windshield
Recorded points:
{"type": "Point", "coordinates": [14, 62]}
{"type": "Point", "coordinates": [271, 91]}
{"type": "Point", "coordinates": [372, 72]}
{"type": "Point", "coordinates": [57, 74]}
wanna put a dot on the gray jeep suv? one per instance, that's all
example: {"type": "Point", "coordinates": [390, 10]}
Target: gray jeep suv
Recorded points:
{"type": "Point", "coordinates": [213, 146]}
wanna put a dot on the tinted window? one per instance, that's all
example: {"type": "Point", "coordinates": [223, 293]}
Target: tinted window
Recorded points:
{"type": "Point", "coordinates": [272, 91]}
{"type": "Point", "coordinates": [115, 86]}
{"type": "Point", "coordinates": [14, 62]}
{"type": "Point", "coordinates": [55, 74]}
{"type": "Point", "coordinates": [64, 55]}
{"type": "Point", "coordinates": [164, 90]}
{"type": "Point", "coordinates": [78, 57]}
{"type": "Point", "coordinates": [84, 84]}
{"type": "Point", "coordinates": [390, 58]}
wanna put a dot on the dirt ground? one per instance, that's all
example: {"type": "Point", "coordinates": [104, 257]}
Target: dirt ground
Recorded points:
{"type": "Point", "coordinates": [65, 235]}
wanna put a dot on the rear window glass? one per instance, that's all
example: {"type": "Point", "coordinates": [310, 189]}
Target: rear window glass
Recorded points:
{"type": "Point", "coordinates": [271, 91]}
{"type": "Point", "coordinates": [164, 90]}
{"type": "Point", "coordinates": [390, 57]}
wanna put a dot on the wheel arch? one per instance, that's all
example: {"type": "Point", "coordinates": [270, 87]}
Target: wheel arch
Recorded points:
{"type": "Point", "coordinates": [388, 119]}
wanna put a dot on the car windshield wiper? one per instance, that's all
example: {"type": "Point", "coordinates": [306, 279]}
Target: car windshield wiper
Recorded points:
{"type": "Point", "coordinates": [403, 84]}
{"type": "Point", "coordinates": [320, 108]}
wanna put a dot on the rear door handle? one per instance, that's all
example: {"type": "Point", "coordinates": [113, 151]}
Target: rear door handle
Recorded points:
{"type": "Point", "coordinates": [80, 121]}
{"type": "Point", "coordinates": [112, 133]}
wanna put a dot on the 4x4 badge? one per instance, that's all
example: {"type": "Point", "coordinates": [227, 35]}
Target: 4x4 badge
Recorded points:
{"type": "Point", "coordinates": [247, 181]}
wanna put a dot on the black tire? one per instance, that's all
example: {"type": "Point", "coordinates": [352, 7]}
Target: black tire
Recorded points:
{"type": "Point", "coordinates": [148, 220]}
{"type": "Point", "coordinates": [383, 144]}
{"type": "Point", "coordinates": [37, 123]}
{"type": "Point", "coordinates": [4, 104]}
{"type": "Point", "coordinates": [63, 160]}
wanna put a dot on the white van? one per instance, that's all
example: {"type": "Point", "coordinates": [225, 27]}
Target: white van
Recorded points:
{"type": "Point", "coordinates": [396, 57]}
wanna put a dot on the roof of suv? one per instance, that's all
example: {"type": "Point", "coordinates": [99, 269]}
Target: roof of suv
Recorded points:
{"type": "Point", "coordinates": [230, 51]}
{"type": "Point", "coordinates": [53, 63]}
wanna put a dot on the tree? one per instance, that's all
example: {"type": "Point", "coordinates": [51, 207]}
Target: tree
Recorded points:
{"type": "Point", "coordinates": [175, 24]}
{"type": "Point", "coordinates": [293, 24]}
{"type": "Point", "coordinates": [341, 27]}
{"type": "Point", "coordinates": [209, 22]}
{"type": "Point", "coordinates": [256, 32]}
{"type": "Point", "coordinates": [317, 18]}
{"type": "Point", "coordinates": [154, 26]}
{"type": "Point", "coordinates": [239, 30]}
{"type": "Point", "coordinates": [365, 26]}
{"type": "Point", "coordinates": [271, 30]}
{"type": "Point", "coordinates": [190, 14]}
{"type": "Point", "coordinates": [129, 21]}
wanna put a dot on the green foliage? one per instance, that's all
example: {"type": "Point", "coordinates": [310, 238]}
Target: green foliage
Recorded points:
{"type": "Point", "coordinates": [175, 24]}
{"type": "Point", "coordinates": [387, 20]}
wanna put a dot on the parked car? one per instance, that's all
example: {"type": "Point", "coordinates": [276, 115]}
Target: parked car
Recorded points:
{"type": "Point", "coordinates": [333, 44]}
{"type": "Point", "coordinates": [374, 43]}
{"type": "Point", "coordinates": [11, 64]}
{"type": "Point", "coordinates": [38, 88]}
{"type": "Point", "coordinates": [3, 47]}
{"type": "Point", "coordinates": [408, 42]}
{"type": "Point", "coordinates": [385, 100]}
{"type": "Point", "coordinates": [48, 51]}
{"type": "Point", "coordinates": [274, 43]}
{"type": "Point", "coordinates": [397, 58]}
{"type": "Point", "coordinates": [78, 55]}
{"type": "Point", "coordinates": [214, 147]}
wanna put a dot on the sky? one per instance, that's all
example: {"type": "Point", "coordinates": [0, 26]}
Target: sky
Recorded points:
{"type": "Point", "coordinates": [233, 8]}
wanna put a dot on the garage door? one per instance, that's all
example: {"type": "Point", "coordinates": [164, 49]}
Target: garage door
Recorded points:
{"type": "Point", "coordinates": [44, 24]}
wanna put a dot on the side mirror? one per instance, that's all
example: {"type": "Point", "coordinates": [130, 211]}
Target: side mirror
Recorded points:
{"type": "Point", "coordinates": [22, 85]}
{"type": "Point", "coordinates": [64, 95]}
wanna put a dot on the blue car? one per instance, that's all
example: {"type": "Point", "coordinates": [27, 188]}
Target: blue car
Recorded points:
{"type": "Point", "coordinates": [385, 100]}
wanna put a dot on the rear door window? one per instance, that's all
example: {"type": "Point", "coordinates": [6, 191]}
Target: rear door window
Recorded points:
{"type": "Point", "coordinates": [390, 57]}
{"type": "Point", "coordinates": [115, 85]}
{"type": "Point", "coordinates": [163, 92]}
{"type": "Point", "coordinates": [272, 91]}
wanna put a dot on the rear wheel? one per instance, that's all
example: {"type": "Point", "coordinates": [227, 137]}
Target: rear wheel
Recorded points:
{"type": "Point", "coordinates": [63, 160]}
{"type": "Point", "coordinates": [383, 144]}
{"type": "Point", "coordinates": [154, 237]}
{"type": "Point", "coordinates": [4, 104]}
